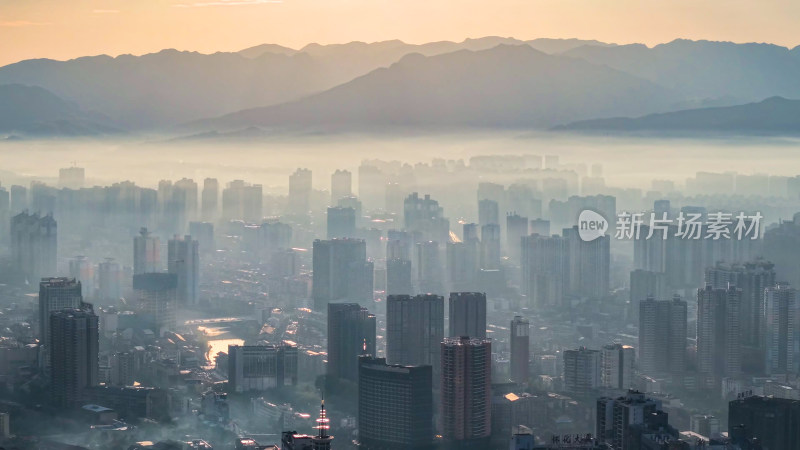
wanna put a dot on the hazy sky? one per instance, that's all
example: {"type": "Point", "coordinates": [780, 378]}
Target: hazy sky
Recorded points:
{"type": "Point", "coordinates": [64, 29]}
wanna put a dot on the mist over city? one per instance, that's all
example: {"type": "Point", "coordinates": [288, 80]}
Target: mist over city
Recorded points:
{"type": "Point", "coordinates": [448, 225]}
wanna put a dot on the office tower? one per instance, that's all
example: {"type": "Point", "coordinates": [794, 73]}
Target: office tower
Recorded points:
{"type": "Point", "coordinates": [516, 229]}
{"type": "Point", "coordinates": [183, 260]}
{"type": "Point", "coordinates": [56, 294]}
{"type": "Point", "coordinates": [398, 277]}
{"type": "Point", "coordinates": [466, 396]}
{"type": "Point", "coordinates": [463, 264]}
{"type": "Point", "coordinates": [395, 405]}
{"type": "Point", "coordinates": [414, 330]}
{"type": "Point", "coordinates": [371, 186]}
{"type": "Point", "coordinates": [71, 177]}
{"type": "Point", "coordinates": [203, 232]}
{"type": "Point", "coordinates": [341, 222]}
{"type": "Point", "coordinates": [718, 340]}
{"type": "Point", "coordinates": [662, 336]}
{"type": "Point", "coordinates": [81, 270]}
{"type": "Point", "coordinates": [351, 333]}
{"type": "Point", "coordinates": [774, 422]}
{"type": "Point", "coordinates": [395, 193]}
{"type": "Point", "coordinates": [625, 422]}
{"type": "Point", "coordinates": [209, 201]}
{"type": "Point", "coordinates": [522, 438]}
{"type": "Point", "coordinates": [429, 268]}
{"type": "Point", "coordinates": [146, 253]}
{"type": "Point", "coordinates": [5, 217]}
{"type": "Point", "coordinates": [520, 350]}
{"type": "Point", "coordinates": [243, 201]}
{"type": "Point", "coordinates": [661, 207]}
{"type": "Point", "coordinates": [156, 298]}
{"type": "Point", "coordinates": [616, 366]}
{"type": "Point", "coordinates": [540, 227]}
{"type": "Point", "coordinates": [589, 265]}
{"type": "Point", "coordinates": [545, 269]}
{"type": "Point", "coordinates": [644, 284]}
{"type": "Point", "coordinates": [490, 247]}
{"type": "Point", "coordinates": [19, 198]}
{"type": "Point", "coordinates": [471, 232]}
{"type": "Point", "coordinates": [780, 335]}
{"type": "Point", "coordinates": [261, 367]}
{"type": "Point", "coordinates": [704, 425]}
{"type": "Point", "coordinates": [581, 370]}
{"type": "Point", "coordinates": [488, 213]}
{"type": "Point", "coordinates": [467, 314]}
{"type": "Point", "coordinates": [73, 355]}
{"type": "Point", "coordinates": [109, 281]}
{"type": "Point", "coordinates": [341, 185]}
{"type": "Point", "coordinates": [341, 272]}
{"type": "Point", "coordinates": [425, 216]}
{"type": "Point", "coordinates": [299, 192]}
{"type": "Point", "coordinates": [34, 245]}
{"type": "Point", "coordinates": [752, 278]}
{"type": "Point", "coordinates": [185, 196]}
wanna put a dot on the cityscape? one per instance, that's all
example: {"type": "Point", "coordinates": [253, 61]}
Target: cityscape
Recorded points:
{"type": "Point", "coordinates": [399, 225]}
{"type": "Point", "coordinates": [366, 314]}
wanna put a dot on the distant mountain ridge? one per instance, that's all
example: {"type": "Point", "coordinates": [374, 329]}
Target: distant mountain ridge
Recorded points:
{"type": "Point", "coordinates": [158, 91]}
{"type": "Point", "coordinates": [33, 111]}
{"type": "Point", "coordinates": [463, 89]}
{"type": "Point", "coordinates": [775, 115]}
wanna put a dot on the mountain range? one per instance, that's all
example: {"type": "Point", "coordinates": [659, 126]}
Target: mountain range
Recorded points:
{"type": "Point", "coordinates": [486, 82]}
{"type": "Point", "coordinates": [773, 116]}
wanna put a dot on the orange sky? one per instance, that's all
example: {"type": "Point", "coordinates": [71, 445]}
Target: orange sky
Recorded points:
{"type": "Point", "coordinates": [65, 29]}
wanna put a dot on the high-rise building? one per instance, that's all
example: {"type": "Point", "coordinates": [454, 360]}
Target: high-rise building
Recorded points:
{"type": "Point", "coordinates": [371, 186]}
{"type": "Point", "coordinates": [351, 333]}
{"type": "Point", "coordinates": [81, 269]}
{"type": "Point", "coordinates": [467, 314]}
{"type": "Point", "coordinates": [243, 201]}
{"type": "Point", "coordinates": [516, 229]}
{"type": "Point", "coordinates": [341, 185]}
{"type": "Point", "coordinates": [341, 272]}
{"type": "Point", "coordinates": [414, 330]}
{"type": "Point", "coordinates": [34, 245]}
{"type": "Point", "coordinates": [203, 232]}
{"type": "Point", "coordinates": [520, 349]}
{"type": "Point", "coordinates": [299, 192]}
{"type": "Point", "coordinates": [644, 284]}
{"type": "Point", "coordinates": [71, 177]}
{"type": "Point", "coordinates": [540, 227]}
{"type": "Point", "coordinates": [718, 341]}
{"type": "Point", "coordinates": [466, 395]}
{"type": "Point", "coordinates": [773, 422]}
{"type": "Point", "coordinates": [625, 422]}
{"type": "Point", "coordinates": [490, 247]}
{"type": "Point", "coordinates": [545, 269]}
{"type": "Point", "coordinates": [463, 264]}
{"type": "Point", "coordinates": [209, 202]}
{"type": "Point", "coordinates": [395, 405]}
{"type": "Point", "coordinates": [56, 294]}
{"type": "Point", "coordinates": [261, 367]}
{"type": "Point", "coordinates": [780, 334]}
{"type": "Point", "coordinates": [429, 268]}
{"type": "Point", "coordinates": [425, 216]}
{"type": "Point", "coordinates": [146, 253]}
{"type": "Point", "coordinates": [398, 277]}
{"type": "Point", "coordinates": [183, 260]}
{"type": "Point", "coordinates": [581, 370]}
{"type": "Point", "coordinates": [752, 278]}
{"type": "Point", "coordinates": [341, 222]}
{"type": "Point", "coordinates": [488, 213]}
{"type": "Point", "coordinates": [156, 298]}
{"type": "Point", "coordinates": [73, 355]}
{"type": "Point", "coordinates": [616, 366]}
{"type": "Point", "coordinates": [589, 264]}
{"type": "Point", "coordinates": [662, 336]}
{"type": "Point", "coordinates": [109, 281]}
